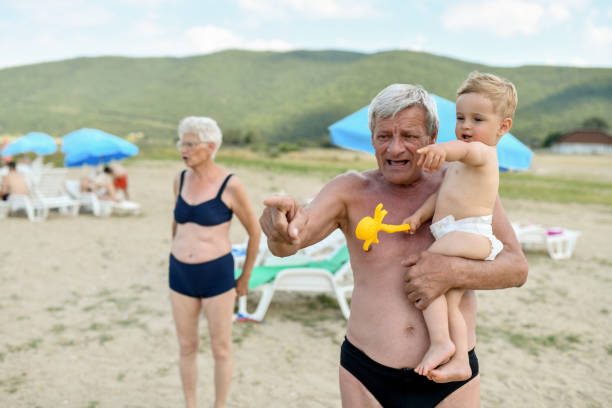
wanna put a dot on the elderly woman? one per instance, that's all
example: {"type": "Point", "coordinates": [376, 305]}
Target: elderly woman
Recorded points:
{"type": "Point", "coordinates": [201, 263]}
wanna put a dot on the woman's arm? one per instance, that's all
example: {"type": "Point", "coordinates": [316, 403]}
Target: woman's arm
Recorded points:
{"type": "Point", "coordinates": [244, 211]}
{"type": "Point", "coordinates": [175, 189]}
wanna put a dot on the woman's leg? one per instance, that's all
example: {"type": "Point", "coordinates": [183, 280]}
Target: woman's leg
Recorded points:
{"type": "Point", "coordinates": [186, 312]}
{"type": "Point", "coordinates": [219, 312]}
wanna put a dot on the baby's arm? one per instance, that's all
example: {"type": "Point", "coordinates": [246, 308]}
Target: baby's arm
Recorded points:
{"type": "Point", "coordinates": [433, 156]}
{"type": "Point", "coordinates": [425, 212]}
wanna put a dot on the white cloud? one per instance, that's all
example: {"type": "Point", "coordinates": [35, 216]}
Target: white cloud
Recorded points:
{"type": "Point", "coordinates": [578, 62]}
{"type": "Point", "coordinates": [599, 35]}
{"type": "Point", "coordinates": [418, 43]}
{"type": "Point", "coordinates": [147, 29]}
{"type": "Point", "coordinates": [67, 13]}
{"type": "Point", "coordinates": [341, 9]}
{"type": "Point", "coordinates": [507, 18]}
{"type": "Point", "coordinates": [210, 38]}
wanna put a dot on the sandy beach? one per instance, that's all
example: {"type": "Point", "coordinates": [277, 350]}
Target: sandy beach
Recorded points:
{"type": "Point", "coordinates": [85, 319]}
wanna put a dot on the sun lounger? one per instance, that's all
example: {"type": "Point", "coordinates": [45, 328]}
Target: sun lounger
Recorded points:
{"type": "Point", "coordinates": [34, 209]}
{"type": "Point", "coordinates": [50, 190]}
{"type": "Point", "coordinates": [101, 208]}
{"type": "Point", "coordinates": [315, 276]}
{"type": "Point", "coordinates": [557, 241]}
{"type": "Point", "coordinates": [4, 209]}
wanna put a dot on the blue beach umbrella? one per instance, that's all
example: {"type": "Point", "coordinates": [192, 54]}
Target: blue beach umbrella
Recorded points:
{"type": "Point", "coordinates": [33, 142]}
{"type": "Point", "coordinates": [93, 147]}
{"type": "Point", "coordinates": [353, 133]}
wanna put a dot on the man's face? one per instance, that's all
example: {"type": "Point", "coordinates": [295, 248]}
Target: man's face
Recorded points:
{"type": "Point", "coordinates": [396, 140]}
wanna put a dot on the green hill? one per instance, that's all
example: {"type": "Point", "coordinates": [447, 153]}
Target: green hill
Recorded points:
{"type": "Point", "coordinates": [287, 96]}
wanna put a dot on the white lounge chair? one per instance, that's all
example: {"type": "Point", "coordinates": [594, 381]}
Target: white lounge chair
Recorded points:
{"type": "Point", "coordinates": [558, 242]}
{"type": "Point", "coordinates": [89, 201]}
{"type": "Point", "coordinates": [4, 209]}
{"type": "Point", "coordinates": [50, 190]}
{"type": "Point", "coordinates": [315, 276]}
{"type": "Point", "coordinates": [34, 208]}
{"type": "Point", "coordinates": [101, 208]}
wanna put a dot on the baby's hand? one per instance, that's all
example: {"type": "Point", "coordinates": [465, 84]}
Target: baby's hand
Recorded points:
{"type": "Point", "coordinates": [432, 157]}
{"type": "Point", "coordinates": [414, 223]}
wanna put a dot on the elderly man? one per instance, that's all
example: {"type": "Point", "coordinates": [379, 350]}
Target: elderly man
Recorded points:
{"type": "Point", "coordinates": [13, 183]}
{"type": "Point", "coordinates": [386, 335]}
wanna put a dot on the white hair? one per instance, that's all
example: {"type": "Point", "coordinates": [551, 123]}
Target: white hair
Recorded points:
{"type": "Point", "coordinates": [205, 128]}
{"type": "Point", "coordinates": [397, 97]}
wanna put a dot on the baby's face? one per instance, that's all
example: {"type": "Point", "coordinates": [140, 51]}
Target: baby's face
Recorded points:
{"type": "Point", "coordinates": [477, 120]}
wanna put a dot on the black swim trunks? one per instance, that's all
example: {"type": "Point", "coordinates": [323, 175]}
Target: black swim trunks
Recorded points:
{"type": "Point", "coordinates": [398, 387]}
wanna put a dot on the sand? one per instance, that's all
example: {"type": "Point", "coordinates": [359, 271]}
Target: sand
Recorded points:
{"type": "Point", "coordinates": [85, 318]}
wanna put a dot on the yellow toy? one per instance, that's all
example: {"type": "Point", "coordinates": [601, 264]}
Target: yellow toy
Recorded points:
{"type": "Point", "coordinates": [368, 227]}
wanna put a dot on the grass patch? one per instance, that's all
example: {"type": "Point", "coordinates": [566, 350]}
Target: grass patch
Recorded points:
{"type": "Point", "coordinates": [30, 345]}
{"type": "Point", "coordinates": [104, 338]}
{"type": "Point", "coordinates": [12, 384]}
{"type": "Point", "coordinates": [93, 306]}
{"type": "Point", "coordinates": [556, 189]}
{"type": "Point", "coordinates": [67, 343]}
{"type": "Point", "coordinates": [609, 349]}
{"type": "Point", "coordinates": [58, 328]}
{"type": "Point", "coordinates": [123, 303]}
{"type": "Point", "coordinates": [104, 293]}
{"type": "Point", "coordinates": [53, 309]}
{"type": "Point", "coordinates": [242, 331]}
{"type": "Point", "coordinates": [532, 344]}
{"type": "Point", "coordinates": [95, 326]}
{"type": "Point", "coordinates": [141, 288]}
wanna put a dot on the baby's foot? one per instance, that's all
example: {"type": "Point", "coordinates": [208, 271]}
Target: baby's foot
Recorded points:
{"type": "Point", "coordinates": [438, 353]}
{"type": "Point", "coordinates": [457, 369]}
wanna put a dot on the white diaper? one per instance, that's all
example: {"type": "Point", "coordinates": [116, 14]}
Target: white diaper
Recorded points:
{"type": "Point", "coordinates": [475, 225]}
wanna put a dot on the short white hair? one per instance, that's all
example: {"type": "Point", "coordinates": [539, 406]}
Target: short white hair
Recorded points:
{"type": "Point", "coordinates": [205, 128]}
{"type": "Point", "coordinates": [397, 97]}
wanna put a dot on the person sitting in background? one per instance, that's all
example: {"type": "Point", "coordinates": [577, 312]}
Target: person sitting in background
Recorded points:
{"type": "Point", "coordinates": [119, 175]}
{"type": "Point", "coordinates": [13, 183]}
{"type": "Point", "coordinates": [101, 186]}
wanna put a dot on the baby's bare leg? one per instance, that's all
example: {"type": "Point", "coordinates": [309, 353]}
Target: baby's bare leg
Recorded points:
{"type": "Point", "coordinates": [458, 368]}
{"type": "Point", "coordinates": [437, 319]}
{"type": "Point", "coordinates": [441, 348]}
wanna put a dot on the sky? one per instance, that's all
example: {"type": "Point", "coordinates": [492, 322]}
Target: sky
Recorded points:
{"type": "Point", "coordinates": [492, 32]}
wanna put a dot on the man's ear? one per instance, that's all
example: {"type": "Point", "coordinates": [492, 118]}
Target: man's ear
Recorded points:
{"type": "Point", "coordinates": [434, 137]}
{"type": "Point", "coordinates": [504, 127]}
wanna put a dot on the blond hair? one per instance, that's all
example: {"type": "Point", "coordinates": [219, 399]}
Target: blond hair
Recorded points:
{"type": "Point", "coordinates": [499, 91]}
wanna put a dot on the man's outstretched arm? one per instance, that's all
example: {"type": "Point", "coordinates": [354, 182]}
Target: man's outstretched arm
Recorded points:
{"type": "Point", "coordinates": [430, 275]}
{"type": "Point", "coordinates": [290, 227]}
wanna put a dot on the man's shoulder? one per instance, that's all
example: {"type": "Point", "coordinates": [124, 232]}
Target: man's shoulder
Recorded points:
{"type": "Point", "coordinates": [354, 178]}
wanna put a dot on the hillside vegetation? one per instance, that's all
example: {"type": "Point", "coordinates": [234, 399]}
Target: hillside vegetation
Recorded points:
{"type": "Point", "coordinates": [269, 97]}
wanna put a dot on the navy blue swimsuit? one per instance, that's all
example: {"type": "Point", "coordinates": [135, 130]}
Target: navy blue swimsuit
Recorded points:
{"type": "Point", "coordinates": [208, 213]}
{"type": "Point", "coordinates": [209, 278]}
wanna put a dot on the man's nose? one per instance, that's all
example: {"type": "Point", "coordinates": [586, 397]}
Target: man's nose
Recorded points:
{"type": "Point", "coordinates": [395, 146]}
